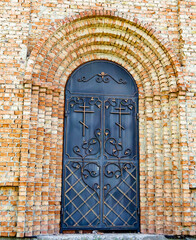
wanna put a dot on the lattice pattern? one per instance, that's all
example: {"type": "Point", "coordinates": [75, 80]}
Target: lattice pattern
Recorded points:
{"type": "Point", "coordinates": [81, 202]}
{"type": "Point", "coordinates": [120, 204]}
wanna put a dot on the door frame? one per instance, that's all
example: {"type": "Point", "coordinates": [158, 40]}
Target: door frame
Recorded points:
{"type": "Point", "coordinates": [138, 163]}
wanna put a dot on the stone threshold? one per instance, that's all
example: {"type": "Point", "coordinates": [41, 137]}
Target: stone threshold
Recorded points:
{"type": "Point", "coordinates": [105, 236]}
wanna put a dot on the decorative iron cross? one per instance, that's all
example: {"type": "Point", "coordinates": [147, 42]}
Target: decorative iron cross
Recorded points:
{"type": "Point", "coordinates": [84, 117]}
{"type": "Point", "coordinates": [119, 124]}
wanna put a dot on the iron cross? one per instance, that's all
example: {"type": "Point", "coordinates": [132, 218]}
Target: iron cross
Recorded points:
{"type": "Point", "coordinates": [84, 117]}
{"type": "Point", "coordinates": [119, 124]}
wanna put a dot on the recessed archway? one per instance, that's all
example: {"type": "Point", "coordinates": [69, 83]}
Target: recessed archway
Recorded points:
{"type": "Point", "coordinates": [68, 45]}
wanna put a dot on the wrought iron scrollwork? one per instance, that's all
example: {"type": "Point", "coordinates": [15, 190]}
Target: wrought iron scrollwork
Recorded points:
{"type": "Point", "coordinates": [128, 103]}
{"type": "Point", "coordinates": [129, 166]}
{"type": "Point", "coordinates": [124, 102]}
{"type": "Point", "coordinates": [102, 77]}
{"type": "Point", "coordinates": [113, 148]}
{"type": "Point", "coordinates": [76, 100]}
{"type": "Point", "coordinates": [114, 172]}
{"type": "Point", "coordinates": [95, 101]}
{"type": "Point", "coordinates": [80, 101]}
{"type": "Point", "coordinates": [89, 171]}
{"type": "Point", "coordinates": [90, 147]}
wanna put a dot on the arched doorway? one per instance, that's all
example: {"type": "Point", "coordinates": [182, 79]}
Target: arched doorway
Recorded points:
{"type": "Point", "coordinates": [100, 187]}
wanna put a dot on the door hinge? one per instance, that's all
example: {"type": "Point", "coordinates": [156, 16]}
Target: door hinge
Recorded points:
{"type": "Point", "coordinates": [138, 211]}
{"type": "Point", "coordinates": [62, 211]}
{"type": "Point", "coordinates": [66, 113]}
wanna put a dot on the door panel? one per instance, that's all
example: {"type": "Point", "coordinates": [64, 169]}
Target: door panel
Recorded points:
{"type": "Point", "coordinates": [100, 188]}
{"type": "Point", "coordinates": [120, 195]}
{"type": "Point", "coordinates": [120, 128]}
{"type": "Point", "coordinates": [81, 135]}
{"type": "Point", "coordinates": [120, 170]}
{"type": "Point", "coordinates": [82, 198]}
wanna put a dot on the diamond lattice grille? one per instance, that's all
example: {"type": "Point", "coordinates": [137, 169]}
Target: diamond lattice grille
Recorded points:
{"type": "Point", "coordinates": [121, 201]}
{"type": "Point", "coordinates": [81, 203]}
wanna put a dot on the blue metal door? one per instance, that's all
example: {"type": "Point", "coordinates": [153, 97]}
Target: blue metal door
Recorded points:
{"type": "Point", "coordinates": [100, 187]}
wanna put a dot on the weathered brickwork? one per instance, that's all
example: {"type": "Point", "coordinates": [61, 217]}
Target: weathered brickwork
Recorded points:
{"type": "Point", "coordinates": [8, 209]}
{"type": "Point", "coordinates": [14, 27]}
{"type": "Point", "coordinates": [42, 43]}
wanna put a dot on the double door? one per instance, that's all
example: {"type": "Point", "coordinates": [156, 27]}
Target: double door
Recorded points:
{"type": "Point", "coordinates": [100, 165]}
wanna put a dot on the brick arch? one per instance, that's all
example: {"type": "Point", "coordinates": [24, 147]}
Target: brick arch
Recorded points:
{"type": "Point", "coordinates": [136, 47]}
{"type": "Point", "coordinates": [67, 39]}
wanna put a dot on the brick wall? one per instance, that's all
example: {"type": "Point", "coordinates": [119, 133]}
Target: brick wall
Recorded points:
{"type": "Point", "coordinates": [14, 26]}
{"type": "Point", "coordinates": [8, 209]}
{"type": "Point", "coordinates": [41, 43]}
